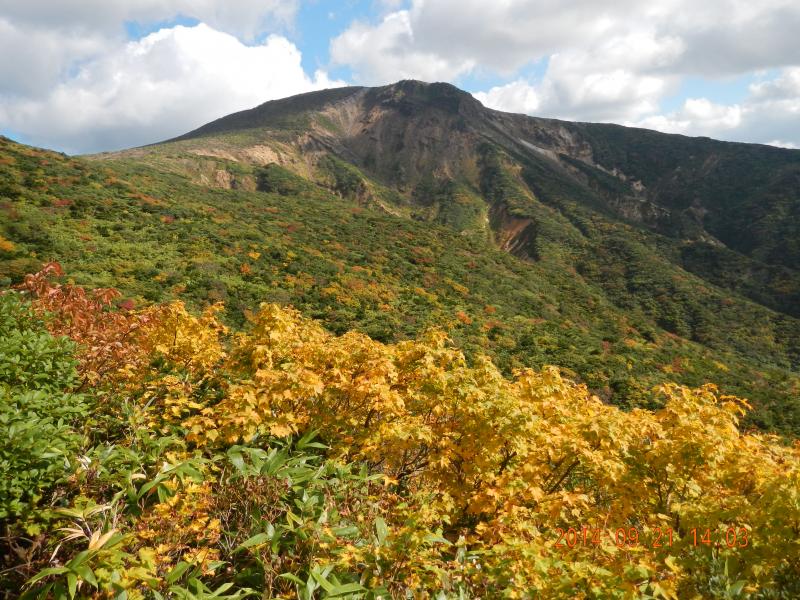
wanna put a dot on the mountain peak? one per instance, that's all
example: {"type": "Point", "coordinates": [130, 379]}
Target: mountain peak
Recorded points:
{"type": "Point", "coordinates": [415, 93]}
{"type": "Point", "coordinates": [409, 96]}
{"type": "Point", "coordinates": [425, 89]}
{"type": "Point", "coordinates": [406, 142]}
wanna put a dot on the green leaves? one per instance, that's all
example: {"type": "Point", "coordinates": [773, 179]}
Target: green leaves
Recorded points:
{"type": "Point", "coordinates": [40, 420]}
{"type": "Point", "coordinates": [381, 531]}
{"type": "Point", "coordinates": [188, 469]}
{"type": "Point", "coordinates": [78, 571]}
{"type": "Point", "coordinates": [306, 442]}
{"type": "Point", "coordinates": [31, 358]}
{"type": "Point", "coordinates": [322, 579]}
{"type": "Point", "coordinates": [195, 589]}
{"type": "Point", "coordinates": [250, 461]}
{"type": "Point", "coordinates": [47, 573]}
{"type": "Point", "coordinates": [256, 540]}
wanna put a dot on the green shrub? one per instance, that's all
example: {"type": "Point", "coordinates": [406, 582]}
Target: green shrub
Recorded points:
{"type": "Point", "coordinates": [39, 417]}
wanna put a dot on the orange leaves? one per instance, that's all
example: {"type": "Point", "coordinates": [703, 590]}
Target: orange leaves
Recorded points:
{"type": "Point", "coordinates": [463, 317]}
{"type": "Point", "coordinates": [118, 346]}
{"type": "Point", "coordinates": [6, 245]}
{"type": "Point", "coordinates": [105, 336]}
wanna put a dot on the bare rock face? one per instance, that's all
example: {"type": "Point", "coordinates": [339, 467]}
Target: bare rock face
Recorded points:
{"type": "Point", "coordinates": [262, 155]}
{"type": "Point", "coordinates": [223, 179]}
{"type": "Point", "coordinates": [516, 235]}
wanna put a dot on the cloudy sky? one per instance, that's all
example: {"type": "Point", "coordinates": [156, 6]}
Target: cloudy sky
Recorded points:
{"type": "Point", "coordinates": [90, 75]}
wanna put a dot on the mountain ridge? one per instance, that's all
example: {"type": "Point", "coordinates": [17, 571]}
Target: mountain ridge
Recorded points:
{"type": "Point", "coordinates": [399, 135]}
{"type": "Point", "coordinates": [353, 89]}
{"type": "Point", "coordinates": [549, 138]}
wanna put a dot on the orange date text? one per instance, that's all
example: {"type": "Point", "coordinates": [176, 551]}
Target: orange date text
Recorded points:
{"type": "Point", "coordinates": [657, 537]}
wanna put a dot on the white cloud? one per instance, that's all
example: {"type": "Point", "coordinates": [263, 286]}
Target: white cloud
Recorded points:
{"type": "Point", "coordinates": [443, 39]}
{"type": "Point", "coordinates": [728, 37]}
{"type": "Point", "coordinates": [48, 40]}
{"type": "Point", "coordinates": [607, 61]}
{"type": "Point", "coordinates": [507, 34]}
{"type": "Point", "coordinates": [782, 144]}
{"type": "Point", "coordinates": [721, 37]}
{"type": "Point", "coordinates": [40, 56]}
{"type": "Point", "coordinates": [616, 82]}
{"type": "Point", "coordinates": [614, 95]}
{"type": "Point", "coordinates": [769, 114]}
{"type": "Point", "coordinates": [785, 86]}
{"type": "Point", "coordinates": [618, 79]}
{"type": "Point", "coordinates": [386, 53]}
{"type": "Point", "coordinates": [698, 116]}
{"type": "Point", "coordinates": [160, 86]}
{"type": "Point", "coordinates": [518, 96]}
{"type": "Point", "coordinates": [244, 18]}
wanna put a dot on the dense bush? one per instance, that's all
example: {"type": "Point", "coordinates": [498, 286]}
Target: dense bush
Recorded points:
{"type": "Point", "coordinates": [41, 421]}
{"type": "Point", "coordinates": [287, 461]}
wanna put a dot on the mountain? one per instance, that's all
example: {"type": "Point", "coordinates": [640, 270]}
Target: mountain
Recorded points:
{"type": "Point", "coordinates": [626, 256]}
{"type": "Point", "coordinates": [716, 197]}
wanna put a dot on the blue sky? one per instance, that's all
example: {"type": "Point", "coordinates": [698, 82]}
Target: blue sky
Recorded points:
{"type": "Point", "coordinates": [92, 75]}
{"type": "Point", "coordinates": [319, 22]}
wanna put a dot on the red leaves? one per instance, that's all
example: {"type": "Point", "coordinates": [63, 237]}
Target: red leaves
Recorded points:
{"type": "Point", "coordinates": [38, 283]}
{"type": "Point", "coordinates": [127, 304]}
{"type": "Point", "coordinates": [105, 335]}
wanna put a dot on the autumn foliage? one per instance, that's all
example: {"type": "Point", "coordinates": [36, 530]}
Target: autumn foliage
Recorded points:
{"type": "Point", "coordinates": [104, 335]}
{"type": "Point", "coordinates": [426, 475]}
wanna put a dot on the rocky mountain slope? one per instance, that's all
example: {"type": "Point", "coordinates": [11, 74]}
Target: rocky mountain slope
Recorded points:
{"type": "Point", "coordinates": [624, 255]}
{"type": "Point", "coordinates": [433, 152]}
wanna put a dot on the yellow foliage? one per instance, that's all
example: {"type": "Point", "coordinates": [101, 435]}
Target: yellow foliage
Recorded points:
{"type": "Point", "coordinates": [502, 464]}
{"type": "Point", "coordinates": [181, 527]}
{"type": "Point", "coordinates": [191, 347]}
{"type": "Point", "coordinates": [186, 340]}
{"type": "Point", "coordinates": [6, 245]}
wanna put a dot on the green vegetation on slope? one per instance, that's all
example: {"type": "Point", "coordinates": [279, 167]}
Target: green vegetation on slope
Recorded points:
{"type": "Point", "coordinates": [155, 235]}
{"type": "Point", "coordinates": [746, 194]}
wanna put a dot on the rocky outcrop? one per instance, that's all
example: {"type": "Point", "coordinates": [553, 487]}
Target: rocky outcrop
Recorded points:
{"type": "Point", "coordinates": [516, 235]}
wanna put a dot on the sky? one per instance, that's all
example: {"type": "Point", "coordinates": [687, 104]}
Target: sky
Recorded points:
{"type": "Point", "coordinates": [84, 76]}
